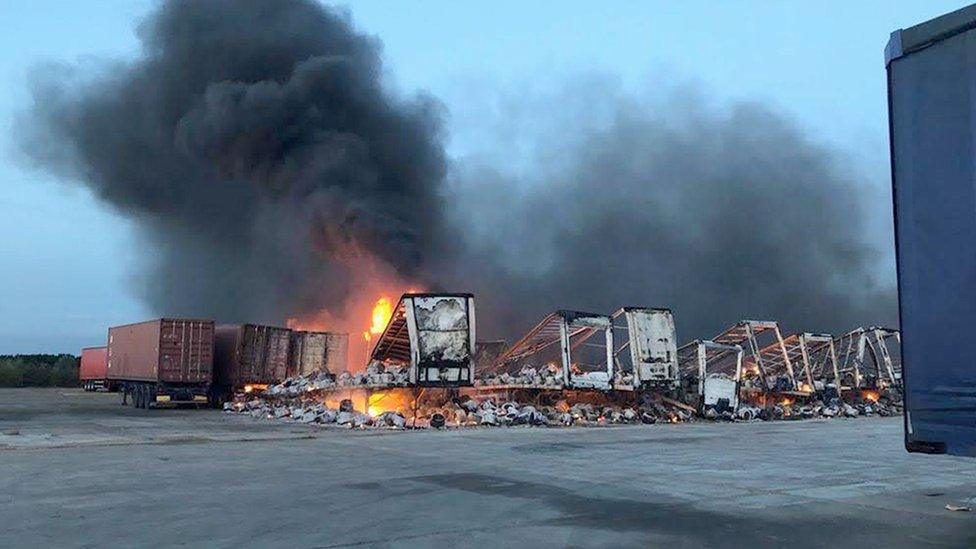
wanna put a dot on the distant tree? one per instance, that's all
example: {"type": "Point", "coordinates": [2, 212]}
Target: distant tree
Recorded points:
{"type": "Point", "coordinates": [10, 375]}
{"type": "Point", "coordinates": [64, 373]}
{"type": "Point", "coordinates": [39, 370]}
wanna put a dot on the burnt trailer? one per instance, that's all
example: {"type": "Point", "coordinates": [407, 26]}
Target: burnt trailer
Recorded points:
{"type": "Point", "coordinates": [577, 344]}
{"type": "Point", "coordinates": [93, 371]}
{"type": "Point", "coordinates": [162, 362]}
{"type": "Point", "coordinates": [646, 353]}
{"type": "Point", "coordinates": [716, 369]}
{"type": "Point", "coordinates": [317, 352]}
{"type": "Point", "coordinates": [931, 99]}
{"type": "Point", "coordinates": [249, 358]}
{"type": "Point", "coordinates": [433, 336]}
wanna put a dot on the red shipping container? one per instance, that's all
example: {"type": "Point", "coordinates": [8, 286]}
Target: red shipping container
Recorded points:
{"type": "Point", "coordinates": [94, 363]}
{"type": "Point", "coordinates": [169, 350]}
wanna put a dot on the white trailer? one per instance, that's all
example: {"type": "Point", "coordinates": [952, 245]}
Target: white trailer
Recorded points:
{"type": "Point", "coordinates": [432, 334]}
{"type": "Point", "coordinates": [649, 337]}
{"type": "Point", "coordinates": [718, 368]}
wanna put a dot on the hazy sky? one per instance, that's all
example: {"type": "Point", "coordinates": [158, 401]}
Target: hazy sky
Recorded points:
{"type": "Point", "coordinates": [66, 259]}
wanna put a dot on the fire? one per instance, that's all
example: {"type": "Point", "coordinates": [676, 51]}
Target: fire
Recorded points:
{"type": "Point", "coordinates": [360, 312]}
{"type": "Point", "coordinates": [786, 402]}
{"type": "Point", "coordinates": [388, 401]}
{"type": "Point", "coordinates": [382, 312]}
{"type": "Point", "coordinates": [873, 396]}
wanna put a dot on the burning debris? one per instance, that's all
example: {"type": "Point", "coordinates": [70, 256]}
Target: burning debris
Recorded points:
{"type": "Point", "coordinates": [533, 398]}
{"type": "Point", "coordinates": [376, 376]}
{"type": "Point", "coordinates": [425, 411]}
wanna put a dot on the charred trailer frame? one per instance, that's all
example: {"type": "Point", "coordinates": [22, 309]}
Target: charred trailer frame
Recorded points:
{"type": "Point", "coordinates": [713, 387]}
{"type": "Point", "coordinates": [433, 335]}
{"type": "Point", "coordinates": [820, 357]}
{"type": "Point", "coordinates": [570, 330]}
{"type": "Point", "coordinates": [798, 350]}
{"type": "Point", "coordinates": [652, 346]}
{"type": "Point", "coordinates": [747, 332]}
{"type": "Point", "coordinates": [854, 345]}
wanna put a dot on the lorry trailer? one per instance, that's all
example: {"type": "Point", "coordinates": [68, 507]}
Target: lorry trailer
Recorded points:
{"type": "Point", "coordinates": [931, 100]}
{"type": "Point", "coordinates": [162, 362]}
{"type": "Point", "coordinates": [93, 372]}
{"type": "Point", "coordinates": [318, 351]}
{"type": "Point", "coordinates": [249, 358]}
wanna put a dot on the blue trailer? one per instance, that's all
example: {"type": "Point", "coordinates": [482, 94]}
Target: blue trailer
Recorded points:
{"type": "Point", "coordinates": [932, 125]}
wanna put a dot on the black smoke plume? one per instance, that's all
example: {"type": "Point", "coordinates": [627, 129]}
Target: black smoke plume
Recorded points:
{"type": "Point", "coordinates": [721, 214]}
{"type": "Point", "coordinates": [255, 144]}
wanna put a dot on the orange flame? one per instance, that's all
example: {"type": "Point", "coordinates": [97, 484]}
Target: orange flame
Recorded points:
{"type": "Point", "coordinates": [382, 312]}
{"type": "Point", "coordinates": [388, 401]}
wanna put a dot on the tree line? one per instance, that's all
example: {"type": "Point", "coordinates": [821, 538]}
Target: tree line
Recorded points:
{"type": "Point", "coordinates": [39, 370]}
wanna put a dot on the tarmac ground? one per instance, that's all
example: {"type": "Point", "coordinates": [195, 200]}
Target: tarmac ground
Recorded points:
{"type": "Point", "coordinates": [79, 470]}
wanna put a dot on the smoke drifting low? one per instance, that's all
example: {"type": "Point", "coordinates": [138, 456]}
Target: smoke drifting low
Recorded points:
{"type": "Point", "coordinates": [721, 214]}
{"type": "Point", "coordinates": [275, 176]}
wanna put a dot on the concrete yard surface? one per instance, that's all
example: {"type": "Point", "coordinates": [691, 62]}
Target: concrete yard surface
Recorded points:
{"type": "Point", "coordinates": [80, 470]}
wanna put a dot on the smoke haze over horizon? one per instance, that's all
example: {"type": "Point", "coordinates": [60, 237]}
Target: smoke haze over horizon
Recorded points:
{"type": "Point", "coordinates": [266, 162]}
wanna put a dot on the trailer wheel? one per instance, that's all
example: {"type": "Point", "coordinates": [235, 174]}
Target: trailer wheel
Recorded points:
{"type": "Point", "coordinates": [140, 397]}
{"type": "Point", "coordinates": [122, 396]}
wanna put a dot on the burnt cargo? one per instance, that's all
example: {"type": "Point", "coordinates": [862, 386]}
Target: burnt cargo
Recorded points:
{"type": "Point", "coordinates": [318, 351]}
{"type": "Point", "coordinates": [250, 354]}
{"type": "Point", "coordinates": [168, 350]}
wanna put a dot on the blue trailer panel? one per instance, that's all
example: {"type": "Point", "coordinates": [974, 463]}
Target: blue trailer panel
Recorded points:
{"type": "Point", "coordinates": [932, 112]}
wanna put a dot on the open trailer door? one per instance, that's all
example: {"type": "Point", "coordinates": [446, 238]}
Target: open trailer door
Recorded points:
{"type": "Point", "coordinates": [932, 103]}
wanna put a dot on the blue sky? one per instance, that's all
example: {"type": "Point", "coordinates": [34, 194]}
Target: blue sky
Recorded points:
{"type": "Point", "coordinates": [67, 261]}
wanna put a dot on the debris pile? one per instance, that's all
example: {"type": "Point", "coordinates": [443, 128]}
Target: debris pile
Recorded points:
{"type": "Point", "coordinates": [376, 375]}
{"type": "Point", "coordinates": [549, 376]}
{"type": "Point", "coordinates": [465, 411]}
{"type": "Point", "coordinates": [534, 396]}
{"type": "Point", "coordinates": [828, 405]}
{"type": "Point", "coordinates": [622, 378]}
{"type": "Point", "coordinates": [308, 411]}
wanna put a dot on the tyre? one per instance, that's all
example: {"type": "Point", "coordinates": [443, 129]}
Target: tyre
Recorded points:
{"type": "Point", "coordinates": [140, 397]}
{"type": "Point", "coordinates": [122, 397]}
